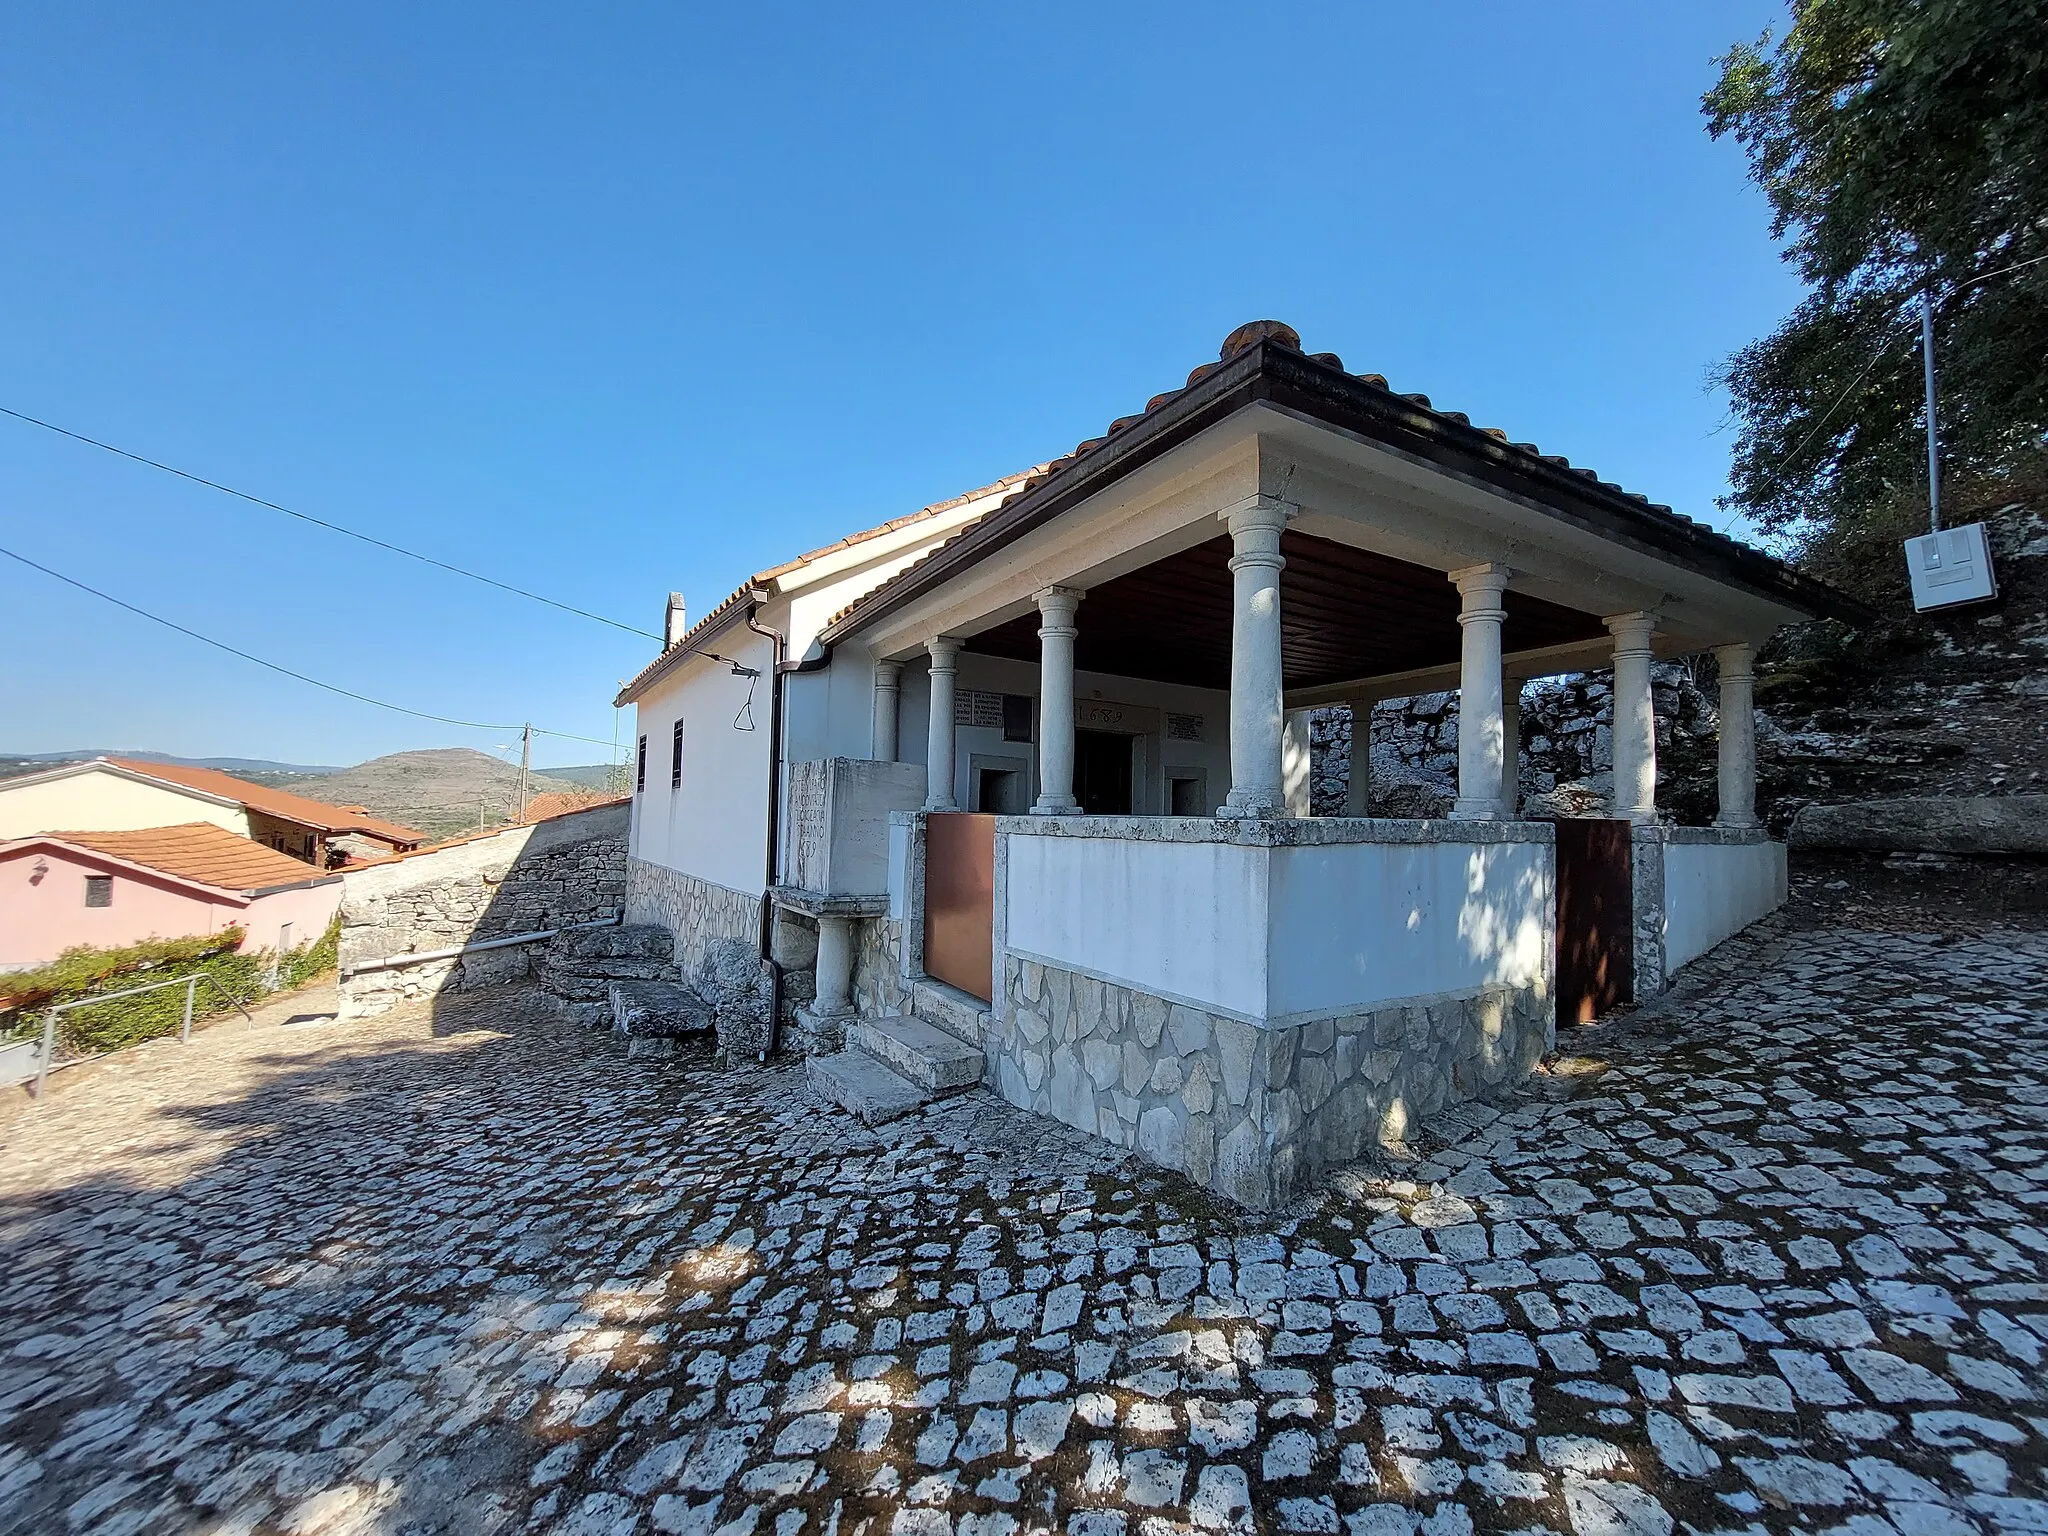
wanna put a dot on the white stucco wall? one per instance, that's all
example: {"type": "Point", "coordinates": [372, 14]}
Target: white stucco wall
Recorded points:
{"type": "Point", "coordinates": [1179, 920]}
{"type": "Point", "coordinates": [1271, 934]}
{"type": "Point", "coordinates": [717, 827]}
{"type": "Point", "coordinates": [1356, 923]}
{"type": "Point", "coordinates": [1713, 891]}
{"type": "Point", "coordinates": [102, 799]}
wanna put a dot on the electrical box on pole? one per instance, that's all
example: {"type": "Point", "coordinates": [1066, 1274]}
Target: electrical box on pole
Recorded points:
{"type": "Point", "coordinates": [1946, 566]}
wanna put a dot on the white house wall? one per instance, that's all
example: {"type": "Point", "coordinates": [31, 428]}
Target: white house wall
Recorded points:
{"type": "Point", "coordinates": [103, 799]}
{"type": "Point", "coordinates": [716, 828]}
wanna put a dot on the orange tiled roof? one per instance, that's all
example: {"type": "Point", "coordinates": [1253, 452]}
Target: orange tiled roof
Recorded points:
{"type": "Point", "coordinates": [967, 543]}
{"type": "Point", "coordinates": [568, 801]}
{"type": "Point", "coordinates": [198, 851]}
{"type": "Point", "coordinates": [274, 802]}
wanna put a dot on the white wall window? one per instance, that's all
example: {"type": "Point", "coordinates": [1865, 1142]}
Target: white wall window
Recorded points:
{"type": "Point", "coordinates": [99, 890]}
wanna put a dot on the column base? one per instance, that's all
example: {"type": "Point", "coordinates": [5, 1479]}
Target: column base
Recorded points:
{"type": "Point", "coordinates": [1253, 808]}
{"type": "Point", "coordinates": [1739, 823]}
{"type": "Point", "coordinates": [932, 806]}
{"type": "Point", "coordinates": [1057, 808]}
{"type": "Point", "coordinates": [1484, 810]}
{"type": "Point", "coordinates": [1641, 816]}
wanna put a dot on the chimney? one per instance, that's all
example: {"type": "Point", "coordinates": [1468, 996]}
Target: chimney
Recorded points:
{"type": "Point", "coordinates": [676, 626]}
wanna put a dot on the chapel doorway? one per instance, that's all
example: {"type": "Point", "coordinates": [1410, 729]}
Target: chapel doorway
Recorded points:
{"type": "Point", "coordinates": [1102, 772]}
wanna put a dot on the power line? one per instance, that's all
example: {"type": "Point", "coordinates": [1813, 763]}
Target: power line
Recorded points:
{"type": "Point", "coordinates": [321, 522]}
{"type": "Point", "coordinates": [219, 645]}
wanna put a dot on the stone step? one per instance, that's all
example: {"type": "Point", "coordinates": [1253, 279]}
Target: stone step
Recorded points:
{"type": "Point", "coordinates": [624, 941]}
{"type": "Point", "coordinates": [959, 1015]}
{"type": "Point", "coordinates": [608, 967]}
{"type": "Point", "coordinates": [919, 1052]}
{"type": "Point", "coordinates": [658, 1010]}
{"type": "Point", "coordinates": [862, 1086]}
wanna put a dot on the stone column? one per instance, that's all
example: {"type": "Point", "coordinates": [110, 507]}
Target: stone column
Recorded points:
{"type": "Point", "coordinates": [835, 965]}
{"type": "Point", "coordinates": [938, 749]}
{"type": "Point", "coordinates": [1297, 763]}
{"type": "Point", "coordinates": [888, 696]}
{"type": "Point", "coordinates": [1635, 718]}
{"type": "Point", "coordinates": [1056, 632]}
{"type": "Point", "coordinates": [1510, 748]}
{"type": "Point", "coordinates": [1738, 736]}
{"type": "Point", "coordinates": [1480, 737]}
{"type": "Point", "coordinates": [1358, 788]}
{"type": "Point", "coordinates": [1256, 713]}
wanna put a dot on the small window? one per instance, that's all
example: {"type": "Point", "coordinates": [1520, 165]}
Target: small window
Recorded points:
{"type": "Point", "coordinates": [1016, 717]}
{"type": "Point", "coordinates": [640, 773]}
{"type": "Point", "coordinates": [675, 758]}
{"type": "Point", "coordinates": [99, 890]}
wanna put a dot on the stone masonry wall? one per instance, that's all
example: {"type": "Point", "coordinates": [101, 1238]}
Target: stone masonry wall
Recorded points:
{"type": "Point", "coordinates": [699, 913]}
{"type": "Point", "coordinates": [1252, 1113]}
{"type": "Point", "coordinates": [568, 869]}
{"type": "Point", "coordinates": [878, 967]}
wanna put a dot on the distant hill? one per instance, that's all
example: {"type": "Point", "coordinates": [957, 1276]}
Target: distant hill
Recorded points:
{"type": "Point", "coordinates": [437, 792]}
{"type": "Point", "coordinates": [594, 775]}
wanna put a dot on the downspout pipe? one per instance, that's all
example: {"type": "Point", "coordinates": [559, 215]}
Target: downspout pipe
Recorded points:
{"type": "Point", "coordinates": [772, 872]}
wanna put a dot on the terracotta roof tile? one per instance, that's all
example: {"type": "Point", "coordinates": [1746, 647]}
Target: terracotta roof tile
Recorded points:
{"type": "Point", "coordinates": [274, 802]}
{"type": "Point", "coordinates": [567, 802]}
{"type": "Point", "coordinates": [197, 851]}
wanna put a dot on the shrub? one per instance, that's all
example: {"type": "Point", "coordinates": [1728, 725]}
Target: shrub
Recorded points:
{"type": "Point", "coordinates": [85, 972]}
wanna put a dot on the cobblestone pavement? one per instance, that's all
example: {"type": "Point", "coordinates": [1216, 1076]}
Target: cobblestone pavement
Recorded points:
{"type": "Point", "coordinates": [1779, 1266]}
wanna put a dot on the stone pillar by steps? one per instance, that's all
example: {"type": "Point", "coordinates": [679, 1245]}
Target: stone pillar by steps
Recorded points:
{"type": "Point", "coordinates": [888, 699]}
{"type": "Point", "coordinates": [1738, 736]}
{"type": "Point", "coordinates": [1635, 718]}
{"type": "Point", "coordinates": [1256, 784]}
{"type": "Point", "coordinates": [1056, 634]}
{"type": "Point", "coordinates": [938, 750]}
{"type": "Point", "coordinates": [835, 965]}
{"type": "Point", "coordinates": [1480, 738]}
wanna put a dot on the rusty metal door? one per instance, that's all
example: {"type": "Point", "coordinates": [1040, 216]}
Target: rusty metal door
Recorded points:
{"type": "Point", "coordinates": [960, 900]}
{"type": "Point", "coordinates": [1595, 919]}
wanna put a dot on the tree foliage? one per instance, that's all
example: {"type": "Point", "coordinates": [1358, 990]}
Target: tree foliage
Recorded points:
{"type": "Point", "coordinates": [1903, 145]}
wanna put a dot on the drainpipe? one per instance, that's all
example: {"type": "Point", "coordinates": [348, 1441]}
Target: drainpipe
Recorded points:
{"type": "Point", "coordinates": [773, 872]}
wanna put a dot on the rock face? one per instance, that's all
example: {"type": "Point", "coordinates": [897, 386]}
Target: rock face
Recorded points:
{"type": "Point", "coordinates": [1980, 824]}
{"type": "Point", "coordinates": [735, 986]}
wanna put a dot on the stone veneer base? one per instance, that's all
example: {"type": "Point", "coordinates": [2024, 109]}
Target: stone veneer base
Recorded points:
{"type": "Point", "coordinates": [1256, 1114]}
{"type": "Point", "coordinates": [698, 913]}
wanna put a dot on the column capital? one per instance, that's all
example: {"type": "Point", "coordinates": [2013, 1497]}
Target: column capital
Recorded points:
{"type": "Point", "coordinates": [1631, 631]}
{"type": "Point", "coordinates": [1491, 578]}
{"type": "Point", "coordinates": [888, 674]}
{"type": "Point", "coordinates": [1737, 660]}
{"type": "Point", "coordinates": [944, 651]}
{"type": "Point", "coordinates": [1057, 605]}
{"type": "Point", "coordinates": [1256, 512]}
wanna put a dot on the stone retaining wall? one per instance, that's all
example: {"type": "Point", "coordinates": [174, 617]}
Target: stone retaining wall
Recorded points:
{"type": "Point", "coordinates": [1253, 1113]}
{"type": "Point", "coordinates": [700, 913]}
{"type": "Point", "coordinates": [878, 967]}
{"type": "Point", "coordinates": [567, 869]}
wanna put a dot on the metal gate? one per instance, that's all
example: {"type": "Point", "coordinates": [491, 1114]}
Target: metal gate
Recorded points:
{"type": "Point", "coordinates": [1595, 919]}
{"type": "Point", "coordinates": [960, 900]}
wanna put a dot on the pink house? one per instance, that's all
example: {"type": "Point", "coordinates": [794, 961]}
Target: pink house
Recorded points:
{"type": "Point", "coordinates": [105, 889]}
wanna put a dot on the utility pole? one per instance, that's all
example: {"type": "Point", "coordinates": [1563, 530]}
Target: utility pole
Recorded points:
{"type": "Point", "coordinates": [1933, 428]}
{"type": "Point", "coordinates": [525, 760]}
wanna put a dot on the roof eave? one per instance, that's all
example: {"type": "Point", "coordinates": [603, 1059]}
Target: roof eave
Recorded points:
{"type": "Point", "coordinates": [712, 625]}
{"type": "Point", "coordinates": [1289, 379]}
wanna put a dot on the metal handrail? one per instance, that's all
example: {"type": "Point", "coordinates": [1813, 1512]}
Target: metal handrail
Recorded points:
{"type": "Point", "coordinates": [189, 983]}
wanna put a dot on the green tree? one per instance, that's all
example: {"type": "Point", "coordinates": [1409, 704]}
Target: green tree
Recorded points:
{"type": "Point", "coordinates": [1903, 145]}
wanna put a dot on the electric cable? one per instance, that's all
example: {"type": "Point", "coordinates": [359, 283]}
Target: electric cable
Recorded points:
{"type": "Point", "coordinates": [321, 522]}
{"type": "Point", "coordinates": [347, 693]}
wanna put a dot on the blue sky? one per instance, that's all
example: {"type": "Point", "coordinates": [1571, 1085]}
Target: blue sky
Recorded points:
{"type": "Point", "coordinates": [609, 300]}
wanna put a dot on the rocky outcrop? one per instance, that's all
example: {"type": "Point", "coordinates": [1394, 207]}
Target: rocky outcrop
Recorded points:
{"type": "Point", "coordinates": [1975, 824]}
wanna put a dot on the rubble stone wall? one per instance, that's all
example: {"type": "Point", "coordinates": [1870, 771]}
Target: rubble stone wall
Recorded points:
{"type": "Point", "coordinates": [878, 967]}
{"type": "Point", "coordinates": [568, 869]}
{"type": "Point", "coordinates": [1254, 1113]}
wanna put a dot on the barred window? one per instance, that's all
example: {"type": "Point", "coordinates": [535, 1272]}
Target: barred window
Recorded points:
{"type": "Point", "coordinates": [99, 890]}
{"type": "Point", "coordinates": [640, 773]}
{"type": "Point", "coordinates": [675, 758]}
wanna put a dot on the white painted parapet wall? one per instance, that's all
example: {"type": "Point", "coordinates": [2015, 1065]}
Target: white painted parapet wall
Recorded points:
{"type": "Point", "coordinates": [1716, 883]}
{"type": "Point", "coordinates": [1257, 1001]}
{"type": "Point", "coordinates": [1280, 922]}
